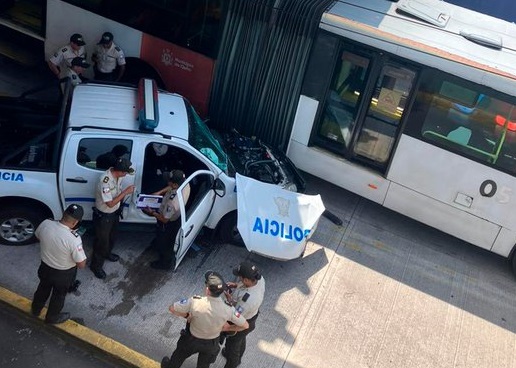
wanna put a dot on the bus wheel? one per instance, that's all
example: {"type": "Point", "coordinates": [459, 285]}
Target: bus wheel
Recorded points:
{"type": "Point", "coordinates": [228, 230]}
{"type": "Point", "coordinates": [17, 225]}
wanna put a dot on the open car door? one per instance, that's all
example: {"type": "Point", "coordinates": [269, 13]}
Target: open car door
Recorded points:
{"type": "Point", "coordinates": [195, 211]}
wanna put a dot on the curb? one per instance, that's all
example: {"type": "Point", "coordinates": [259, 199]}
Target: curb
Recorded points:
{"type": "Point", "coordinates": [86, 335]}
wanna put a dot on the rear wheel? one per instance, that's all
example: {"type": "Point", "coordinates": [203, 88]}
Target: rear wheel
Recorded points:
{"type": "Point", "coordinates": [18, 224]}
{"type": "Point", "coordinates": [228, 230]}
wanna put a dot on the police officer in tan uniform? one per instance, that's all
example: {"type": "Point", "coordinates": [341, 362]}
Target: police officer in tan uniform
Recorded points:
{"type": "Point", "coordinates": [108, 196]}
{"type": "Point", "coordinates": [107, 57]}
{"type": "Point", "coordinates": [207, 317]}
{"type": "Point", "coordinates": [63, 57]}
{"type": "Point", "coordinates": [247, 297]}
{"type": "Point", "coordinates": [169, 219]}
{"type": "Point", "coordinates": [61, 255]}
{"type": "Point", "coordinates": [74, 72]}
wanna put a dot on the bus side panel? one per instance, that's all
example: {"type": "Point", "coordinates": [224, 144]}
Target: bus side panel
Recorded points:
{"type": "Point", "coordinates": [505, 242]}
{"type": "Point", "coordinates": [338, 171]}
{"type": "Point", "coordinates": [441, 216]}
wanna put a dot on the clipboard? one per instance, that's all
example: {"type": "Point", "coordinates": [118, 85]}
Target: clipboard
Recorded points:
{"type": "Point", "coordinates": [149, 200]}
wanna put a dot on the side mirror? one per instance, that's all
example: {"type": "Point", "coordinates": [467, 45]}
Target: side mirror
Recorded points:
{"type": "Point", "coordinates": [220, 188]}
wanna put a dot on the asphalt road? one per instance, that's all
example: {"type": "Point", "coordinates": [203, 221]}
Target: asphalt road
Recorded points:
{"type": "Point", "coordinates": [27, 342]}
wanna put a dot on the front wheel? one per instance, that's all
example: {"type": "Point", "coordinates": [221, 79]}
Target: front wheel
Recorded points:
{"type": "Point", "coordinates": [228, 230]}
{"type": "Point", "coordinates": [18, 224]}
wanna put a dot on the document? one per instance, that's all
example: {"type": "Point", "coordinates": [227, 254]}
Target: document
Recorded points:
{"type": "Point", "coordinates": [149, 200]}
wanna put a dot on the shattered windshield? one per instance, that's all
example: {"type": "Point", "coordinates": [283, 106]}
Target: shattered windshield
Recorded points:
{"type": "Point", "coordinates": [200, 137]}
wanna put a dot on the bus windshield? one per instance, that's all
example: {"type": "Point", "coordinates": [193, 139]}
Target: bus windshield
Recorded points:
{"type": "Point", "coordinates": [200, 137]}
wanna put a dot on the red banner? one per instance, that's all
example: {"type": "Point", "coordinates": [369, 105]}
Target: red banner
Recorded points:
{"type": "Point", "coordinates": [183, 71]}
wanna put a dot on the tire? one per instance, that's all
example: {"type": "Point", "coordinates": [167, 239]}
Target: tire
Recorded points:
{"type": "Point", "coordinates": [18, 224]}
{"type": "Point", "coordinates": [228, 231]}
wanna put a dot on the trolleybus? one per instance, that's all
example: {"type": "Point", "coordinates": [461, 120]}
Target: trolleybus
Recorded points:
{"type": "Point", "coordinates": [412, 104]}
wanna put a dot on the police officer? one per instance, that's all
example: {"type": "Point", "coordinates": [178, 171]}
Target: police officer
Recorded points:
{"type": "Point", "coordinates": [207, 317]}
{"type": "Point", "coordinates": [106, 213]}
{"type": "Point", "coordinates": [63, 57]}
{"type": "Point", "coordinates": [247, 296]}
{"type": "Point", "coordinates": [74, 72]}
{"type": "Point", "coordinates": [61, 255]}
{"type": "Point", "coordinates": [106, 57]}
{"type": "Point", "coordinates": [168, 219]}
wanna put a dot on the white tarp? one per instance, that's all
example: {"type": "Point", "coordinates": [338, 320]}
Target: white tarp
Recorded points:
{"type": "Point", "coordinates": [275, 222]}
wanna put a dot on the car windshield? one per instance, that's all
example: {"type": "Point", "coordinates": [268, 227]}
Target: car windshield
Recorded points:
{"type": "Point", "coordinates": [200, 137]}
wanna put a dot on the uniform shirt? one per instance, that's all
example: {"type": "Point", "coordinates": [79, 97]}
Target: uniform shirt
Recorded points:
{"type": "Point", "coordinates": [74, 78]}
{"type": "Point", "coordinates": [107, 59]}
{"type": "Point", "coordinates": [108, 188]}
{"type": "Point", "coordinates": [64, 56]}
{"type": "Point", "coordinates": [248, 300]}
{"type": "Point", "coordinates": [170, 204]}
{"type": "Point", "coordinates": [207, 315]}
{"type": "Point", "coordinates": [61, 247]}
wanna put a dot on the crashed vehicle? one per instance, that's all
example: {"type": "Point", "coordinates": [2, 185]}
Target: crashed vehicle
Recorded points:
{"type": "Point", "coordinates": [49, 159]}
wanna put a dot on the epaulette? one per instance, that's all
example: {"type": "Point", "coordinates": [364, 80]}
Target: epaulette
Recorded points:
{"type": "Point", "coordinates": [75, 233]}
{"type": "Point", "coordinates": [65, 49]}
{"type": "Point", "coordinates": [106, 179]}
{"type": "Point", "coordinates": [74, 76]}
{"type": "Point", "coordinates": [117, 48]}
{"type": "Point", "coordinates": [197, 297]}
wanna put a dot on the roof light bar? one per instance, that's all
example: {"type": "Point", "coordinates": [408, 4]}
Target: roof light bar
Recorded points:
{"type": "Point", "coordinates": [148, 113]}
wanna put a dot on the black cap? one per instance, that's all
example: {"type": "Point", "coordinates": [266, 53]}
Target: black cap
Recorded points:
{"type": "Point", "coordinates": [247, 270]}
{"type": "Point", "coordinates": [79, 61]}
{"type": "Point", "coordinates": [77, 39]}
{"type": "Point", "coordinates": [175, 176]}
{"type": "Point", "coordinates": [106, 38]}
{"type": "Point", "coordinates": [124, 165]}
{"type": "Point", "coordinates": [214, 282]}
{"type": "Point", "coordinates": [75, 211]}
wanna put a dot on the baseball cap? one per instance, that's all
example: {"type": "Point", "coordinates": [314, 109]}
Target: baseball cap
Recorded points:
{"type": "Point", "coordinates": [214, 282]}
{"type": "Point", "coordinates": [176, 176]}
{"type": "Point", "coordinates": [76, 211]}
{"type": "Point", "coordinates": [77, 39]}
{"type": "Point", "coordinates": [124, 165]}
{"type": "Point", "coordinates": [79, 61]}
{"type": "Point", "coordinates": [106, 38]}
{"type": "Point", "coordinates": [247, 270]}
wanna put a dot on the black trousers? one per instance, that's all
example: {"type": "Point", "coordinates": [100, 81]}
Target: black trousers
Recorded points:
{"type": "Point", "coordinates": [188, 345]}
{"type": "Point", "coordinates": [164, 241]}
{"type": "Point", "coordinates": [105, 226]}
{"type": "Point", "coordinates": [236, 344]}
{"type": "Point", "coordinates": [55, 282]}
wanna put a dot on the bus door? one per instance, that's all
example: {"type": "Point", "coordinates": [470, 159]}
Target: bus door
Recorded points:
{"type": "Point", "coordinates": [379, 125]}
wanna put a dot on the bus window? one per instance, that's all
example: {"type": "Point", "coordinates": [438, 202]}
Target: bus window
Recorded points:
{"type": "Point", "coordinates": [342, 104]}
{"type": "Point", "coordinates": [386, 107]}
{"type": "Point", "coordinates": [456, 116]}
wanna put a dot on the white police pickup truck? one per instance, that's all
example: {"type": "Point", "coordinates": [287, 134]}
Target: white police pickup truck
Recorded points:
{"type": "Point", "coordinates": [52, 154]}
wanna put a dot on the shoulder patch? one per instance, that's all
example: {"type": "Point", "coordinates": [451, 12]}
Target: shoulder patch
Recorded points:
{"type": "Point", "coordinates": [117, 48]}
{"type": "Point", "coordinates": [106, 179]}
{"type": "Point", "coordinates": [237, 314]}
{"type": "Point", "coordinates": [197, 297]}
{"type": "Point", "coordinates": [183, 301]}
